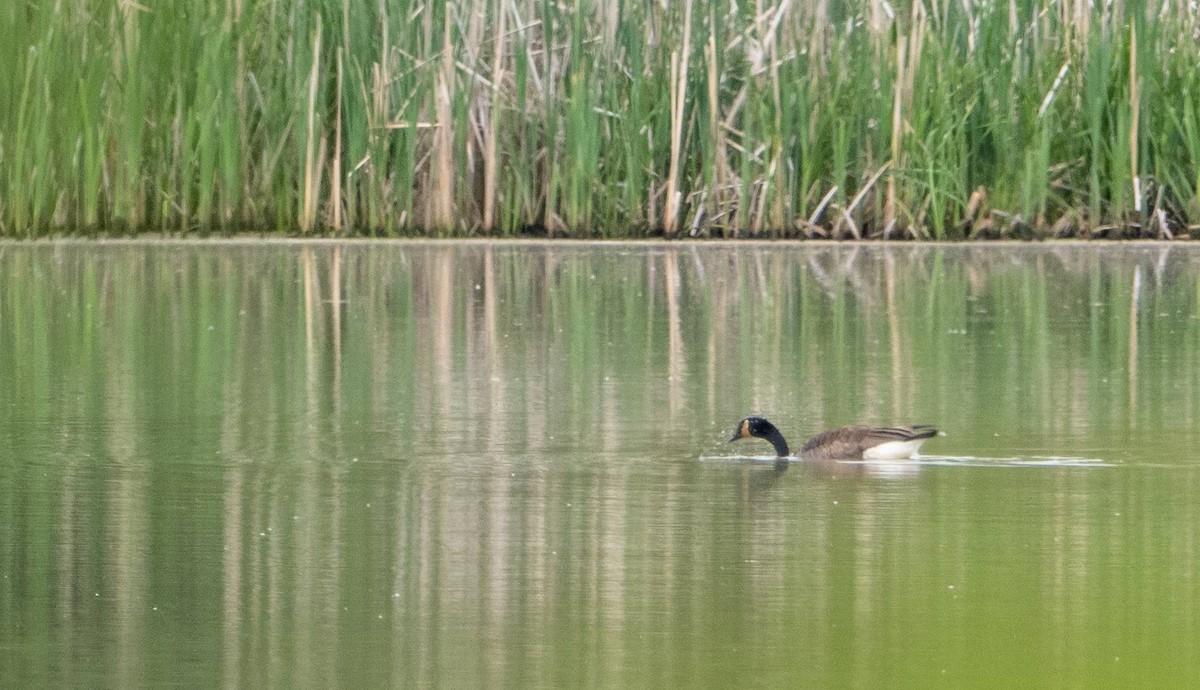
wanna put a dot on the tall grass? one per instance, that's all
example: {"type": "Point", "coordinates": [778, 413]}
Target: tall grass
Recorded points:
{"type": "Point", "coordinates": [846, 118]}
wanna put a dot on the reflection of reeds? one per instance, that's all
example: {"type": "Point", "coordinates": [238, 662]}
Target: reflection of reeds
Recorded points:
{"type": "Point", "coordinates": [537, 508]}
{"type": "Point", "coordinates": [840, 117]}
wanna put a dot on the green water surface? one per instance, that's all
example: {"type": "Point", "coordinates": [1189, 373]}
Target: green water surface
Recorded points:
{"type": "Point", "coordinates": [475, 465]}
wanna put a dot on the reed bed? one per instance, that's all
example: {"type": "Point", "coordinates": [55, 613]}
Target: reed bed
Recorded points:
{"type": "Point", "coordinates": [817, 118]}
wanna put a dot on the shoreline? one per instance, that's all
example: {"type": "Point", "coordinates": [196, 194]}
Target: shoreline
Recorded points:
{"type": "Point", "coordinates": [251, 240]}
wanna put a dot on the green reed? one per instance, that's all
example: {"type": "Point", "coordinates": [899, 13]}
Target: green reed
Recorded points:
{"type": "Point", "coordinates": [851, 118]}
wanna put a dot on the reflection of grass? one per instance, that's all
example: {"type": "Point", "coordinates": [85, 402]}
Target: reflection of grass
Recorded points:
{"type": "Point", "coordinates": [1022, 341]}
{"type": "Point", "coordinates": [307, 442]}
{"type": "Point", "coordinates": [843, 118]}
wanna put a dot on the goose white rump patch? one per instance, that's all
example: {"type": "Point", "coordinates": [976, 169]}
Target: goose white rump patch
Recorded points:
{"type": "Point", "coordinates": [894, 450]}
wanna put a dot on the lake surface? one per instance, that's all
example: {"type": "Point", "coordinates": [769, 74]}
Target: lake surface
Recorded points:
{"type": "Point", "coordinates": [474, 465]}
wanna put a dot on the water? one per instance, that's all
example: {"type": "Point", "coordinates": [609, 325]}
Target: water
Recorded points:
{"type": "Point", "coordinates": [506, 466]}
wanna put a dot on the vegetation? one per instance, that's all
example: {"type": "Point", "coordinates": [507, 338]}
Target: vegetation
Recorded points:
{"type": "Point", "coordinates": [847, 118]}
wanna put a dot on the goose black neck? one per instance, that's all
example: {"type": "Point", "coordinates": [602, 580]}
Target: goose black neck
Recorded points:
{"type": "Point", "coordinates": [776, 439]}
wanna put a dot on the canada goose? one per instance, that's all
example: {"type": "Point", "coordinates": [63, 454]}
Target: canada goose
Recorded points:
{"type": "Point", "coordinates": [844, 443]}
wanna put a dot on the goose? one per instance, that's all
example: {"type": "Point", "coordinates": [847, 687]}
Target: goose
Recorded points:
{"type": "Point", "coordinates": [844, 443]}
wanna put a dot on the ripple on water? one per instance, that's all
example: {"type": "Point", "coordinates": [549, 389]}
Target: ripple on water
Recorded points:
{"type": "Point", "coordinates": [938, 461]}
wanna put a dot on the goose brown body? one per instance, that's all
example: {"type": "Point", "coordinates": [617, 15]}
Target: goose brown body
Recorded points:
{"type": "Point", "coordinates": [844, 443]}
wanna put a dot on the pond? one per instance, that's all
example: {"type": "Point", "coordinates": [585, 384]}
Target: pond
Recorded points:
{"type": "Point", "coordinates": [506, 465]}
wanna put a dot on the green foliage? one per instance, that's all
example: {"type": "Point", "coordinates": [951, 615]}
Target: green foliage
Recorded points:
{"type": "Point", "coordinates": [372, 118]}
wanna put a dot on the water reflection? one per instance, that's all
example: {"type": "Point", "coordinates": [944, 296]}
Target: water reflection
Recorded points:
{"type": "Point", "coordinates": [477, 464]}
